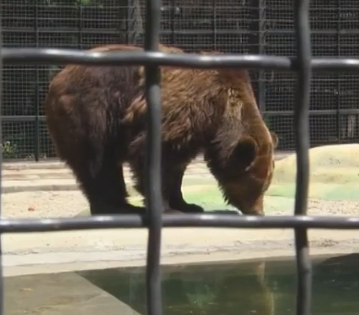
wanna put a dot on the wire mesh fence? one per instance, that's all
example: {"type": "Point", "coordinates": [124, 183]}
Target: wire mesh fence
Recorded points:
{"type": "Point", "coordinates": [232, 26]}
{"type": "Point", "coordinates": [302, 64]}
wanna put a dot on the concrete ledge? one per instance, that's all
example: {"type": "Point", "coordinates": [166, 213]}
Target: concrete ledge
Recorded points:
{"type": "Point", "coordinates": [24, 165]}
{"type": "Point", "coordinates": [56, 176]}
{"type": "Point", "coordinates": [79, 250]}
{"type": "Point", "coordinates": [10, 187]}
{"type": "Point", "coordinates": [56, 164]}
{"type": "Point", "coordinates": [69, 294]}
{"type": "Point", "coordinates": [62, 184]}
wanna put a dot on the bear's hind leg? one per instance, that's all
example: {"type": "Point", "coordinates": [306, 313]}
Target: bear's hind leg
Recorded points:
{"type": "Point", "coordinates": [105, 188]}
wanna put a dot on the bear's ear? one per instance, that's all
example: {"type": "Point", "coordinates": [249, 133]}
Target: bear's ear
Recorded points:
{"type": "Point", "coordinates": [245, 153]}
{"type": "Point", "coordinates": [274, 139]}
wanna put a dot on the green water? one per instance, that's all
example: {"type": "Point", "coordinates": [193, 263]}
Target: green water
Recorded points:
{"type": "Point", "coordinates": [251, 288]}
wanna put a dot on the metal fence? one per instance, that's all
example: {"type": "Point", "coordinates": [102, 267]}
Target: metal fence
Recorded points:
{"type": "Point", "coordinates": [232, 26]}
{"type": "Point", "coordinates": [302, 65]}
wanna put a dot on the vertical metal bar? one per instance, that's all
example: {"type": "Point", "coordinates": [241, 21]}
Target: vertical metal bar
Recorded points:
{"type": "Point", "coordinates": [37, 94]}
{"type": "Point", "coordinates": [173, 17]}
{"type": "Point", "coordinates": [338, 74]}
{"type": "Point", "coordinates": [153, 162]}
{"type": "Point", "coordinates": [80, 26]}
{"type": "Point", "coordinates": [1, 161]}
{"type": "Point", "coordinates": [261, 38]}
{"type": "Point", "coordinates": [256, 46]}
{"type": "Point", "coordinates": [214, 24]}
{"type": "Point", "coordinates": [301, 126]}
{"type": "Point", "coordinates": [129, 22]}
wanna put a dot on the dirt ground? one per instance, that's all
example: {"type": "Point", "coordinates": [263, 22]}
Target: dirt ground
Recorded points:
{"type": "Point", "coordinates": [65, 251]}
{"type": "Point", "coordinates": [45, 204]}
{"type": "Point", "coordinates": [37, 253]}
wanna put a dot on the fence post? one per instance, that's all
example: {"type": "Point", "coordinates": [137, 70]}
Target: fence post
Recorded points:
{"type": "Point", "coordinates": [1, 163]}
{"type": "Point", "coordinates": [257, 46]}
{"type": "Point", "coordinates": [37, 95]}
{"type": "Point", "coordinates": [214, 24]}
{"type": "Point", "coordinates": [338, 85]}
{"type": "Point", "coordinates": [134, 21]}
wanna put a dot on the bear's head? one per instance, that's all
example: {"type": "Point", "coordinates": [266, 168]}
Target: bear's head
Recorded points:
{"type": "Point", "coordinates": [247, 174]}
{"type": "Point", "coordinates": [242, 151]}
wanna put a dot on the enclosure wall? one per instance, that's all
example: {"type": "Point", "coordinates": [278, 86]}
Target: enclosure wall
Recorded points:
{"type": "Point", "coordinates": [244, 26]}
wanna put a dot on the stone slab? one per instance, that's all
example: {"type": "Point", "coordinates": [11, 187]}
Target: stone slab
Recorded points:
{"type": "Point", "coordinates": [58, 294]}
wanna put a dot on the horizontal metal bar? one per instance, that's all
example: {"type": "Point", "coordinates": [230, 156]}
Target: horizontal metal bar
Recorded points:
{"type": "Point", "coordinates": [22, 118]}
{"type": "Point", "coordinates": [52, 55]}
{"type": "Point", "coordinates": [101, 31]}
{"type": "Point", "coordinates": [182, 220]}
{"type": "Point", "coordinates": [278, 5]}
{"type": "Point", "coordinates": [57, 6]}
{"type": "Point", "coordinates": [336, 64]}
{"type": "Point", "coordinates": [325, 112]}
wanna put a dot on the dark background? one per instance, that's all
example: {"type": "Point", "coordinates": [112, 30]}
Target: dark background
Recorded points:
{"type": "Point", "coordinates": [235, 26]}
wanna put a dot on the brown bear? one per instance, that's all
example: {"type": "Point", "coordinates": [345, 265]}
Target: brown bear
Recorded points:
{"type": "Point", "coordinates": [96, 116]}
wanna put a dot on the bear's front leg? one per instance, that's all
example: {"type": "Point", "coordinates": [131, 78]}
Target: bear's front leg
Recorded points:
{"type": "Point", "coordinates": [172, 175]}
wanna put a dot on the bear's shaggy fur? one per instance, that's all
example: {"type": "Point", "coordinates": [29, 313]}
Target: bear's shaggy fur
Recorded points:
{"type": "Point", "coordinates": [96, 116]}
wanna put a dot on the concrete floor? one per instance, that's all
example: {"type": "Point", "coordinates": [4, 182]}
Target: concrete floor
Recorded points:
{"type": "Point", "coordinates": [53, 175]}
{"type": "Point", "coordinates": [30, 260]}
{"type": "Point", "coordinates": [55, 294]}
